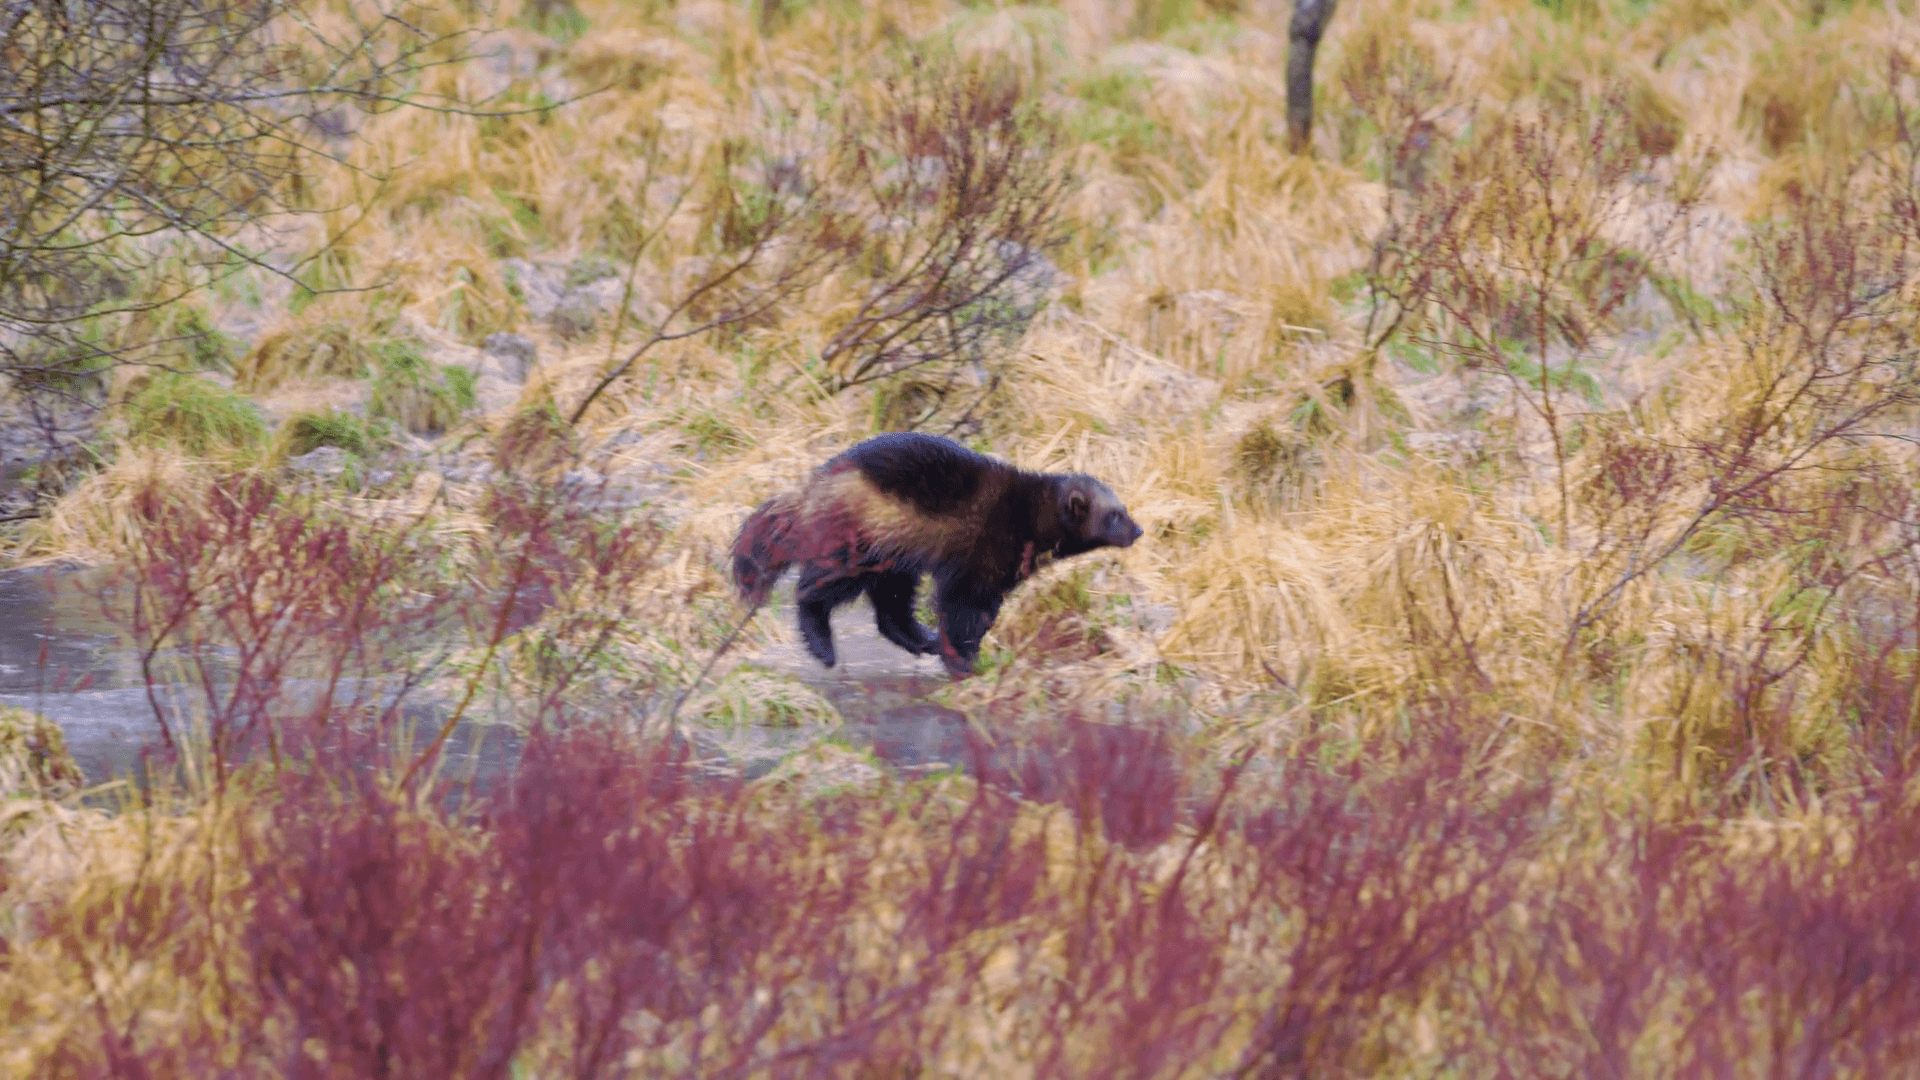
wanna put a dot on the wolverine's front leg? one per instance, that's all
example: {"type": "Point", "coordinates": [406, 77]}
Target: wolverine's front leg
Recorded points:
{"type": "Point", "coordinates": [967, 608]}
{"type": "Point", "coordinates": [892, 596]}
{"type": "Point", "coordinates": [822, 589]}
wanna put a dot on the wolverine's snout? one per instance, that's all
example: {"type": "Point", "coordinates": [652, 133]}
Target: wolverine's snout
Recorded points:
{"type": "Point", "coordinates": [1121, 531]}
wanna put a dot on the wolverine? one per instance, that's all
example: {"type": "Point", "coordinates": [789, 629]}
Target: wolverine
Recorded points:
{"type": "Point", "coordinates": [878, 516]}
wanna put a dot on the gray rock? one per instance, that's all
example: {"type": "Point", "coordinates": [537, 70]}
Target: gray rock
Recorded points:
{"type": "Point", "coordinates": [1448, 445]}
{"type": "Point", "coordinates": [1032, 278]}
{"type": "Point", "coordinates": [326, 461]}
{"type": "Point", "coordinates": [575, 315]}
{"type": "Point", "coordinates": [570, 299]}
{"type": "Point", "coordinates": [471, 472]}
{"type": "Point", "coordinates": [515, 355]}
{"type": "Point", "coordinates": [581, 481]}
{"type": "Point", "coordinates": [540, 287]}
{"type": "Point", "coordinates": [586, 271]}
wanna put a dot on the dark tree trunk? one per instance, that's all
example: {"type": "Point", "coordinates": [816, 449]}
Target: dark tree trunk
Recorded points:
{"type": "Point", "coordinates": [1310, 19]}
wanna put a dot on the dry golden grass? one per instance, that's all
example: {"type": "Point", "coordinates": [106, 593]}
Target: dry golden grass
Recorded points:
{"type": "Point", "coordinates": [1335, 539]}
{"type": "Point", "coordinates": [1196, 356]}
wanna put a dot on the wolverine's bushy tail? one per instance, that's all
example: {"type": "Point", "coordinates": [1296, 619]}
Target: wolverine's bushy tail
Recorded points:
{"type": "Point", "coordinates": [764, 548]}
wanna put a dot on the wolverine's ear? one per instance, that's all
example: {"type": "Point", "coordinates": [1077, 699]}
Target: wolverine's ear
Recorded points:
{"type": "Point", "coordinates": [1076, 506]}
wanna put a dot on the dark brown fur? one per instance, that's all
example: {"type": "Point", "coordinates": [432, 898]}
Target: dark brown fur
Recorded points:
{"type": "Point", "coordinates": [897, 506]}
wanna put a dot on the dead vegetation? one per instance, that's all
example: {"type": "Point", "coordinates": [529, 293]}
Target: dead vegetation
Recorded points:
{"type": "Point", "coordinates": [1520, 674]}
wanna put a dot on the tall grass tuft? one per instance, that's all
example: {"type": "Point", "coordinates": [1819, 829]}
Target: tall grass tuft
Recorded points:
{"type": "Point", "coordinates": [195, 414]}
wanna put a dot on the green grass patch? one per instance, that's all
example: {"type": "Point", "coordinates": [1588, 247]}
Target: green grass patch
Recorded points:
{"type": "Point", "coordinates": [417, 394]}
{"type": "Point", "coordinates": [187, 337]}
{"type": "Point", "coordinates": [308, 432]}
{"type": "Point", "coordinates": [514, 233]}
{"type": "Point", "coordinates": [1117, 115]}
{"type": "Point", "coordinates": [1154, 18]}
{"type": "Point", "coordinates": [195, 414]}
{"type": "Point", "coordinates": [747, 696]}
{"type": "Point", "coordinates": [558, 19]}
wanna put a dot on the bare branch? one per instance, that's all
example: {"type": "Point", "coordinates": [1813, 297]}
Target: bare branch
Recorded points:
{"type": "Point", "coordinates": [139, 138]}
{"type": "Point", "coordinates": [936, 204]}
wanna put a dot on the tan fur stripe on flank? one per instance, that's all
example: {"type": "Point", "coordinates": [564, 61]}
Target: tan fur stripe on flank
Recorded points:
{"type": "Point", "coordinates": [883, 522]}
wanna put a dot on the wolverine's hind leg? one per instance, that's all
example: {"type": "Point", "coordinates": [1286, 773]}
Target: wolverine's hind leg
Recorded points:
{"type": "Point", "coordinates": [818, 593]}
{"type": "Point", "coordinates": [967, 608]}
{"type": "Point", "coordinates": [892, 596]}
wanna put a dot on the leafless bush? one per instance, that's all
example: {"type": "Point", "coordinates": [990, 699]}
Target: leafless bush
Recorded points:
{"type": "Point", "coordinates": [1121, 907]}
{"type": "Point", "coordinates": [1778, 454]}
{"type": "Point", "coordinates": [1403, 872]}
{"type": "Point", "coordinates": [1515, 250]}
{"type": "Point", "coordinates": [558, 579]}
{"type": "Point", "coordinates": [268, 624]}
{"type": "Point", "coordinates": [284, 616]}
{"type": "Point", "coordinates": [1799, 460]}
{"type": "Point", "coordinates": [376, 939]}
{"type": "Point", "coordinates": [1650, 946]}
{"type": "Point", "coordinates": [934, 202]}
{"type": "Point", "coordinates": [770, 231]}
{"type": "Point", "coordinates": [613, 908]}
{"type": "Point", "coordinates": [954, 174]}
{"type": "Point", "coordinates": [149, 147]}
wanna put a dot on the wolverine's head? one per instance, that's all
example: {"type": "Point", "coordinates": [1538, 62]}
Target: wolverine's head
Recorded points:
{"type": "Point", "coordinates": [1091, 517]}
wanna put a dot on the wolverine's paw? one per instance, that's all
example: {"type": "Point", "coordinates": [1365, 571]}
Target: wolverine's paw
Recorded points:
{"type": "Point", "coordinates": [916, 639]}
{"type": "Point", "coordinates": [821, 648]}
{"type": "Point", "coordinates": [958, 665]}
